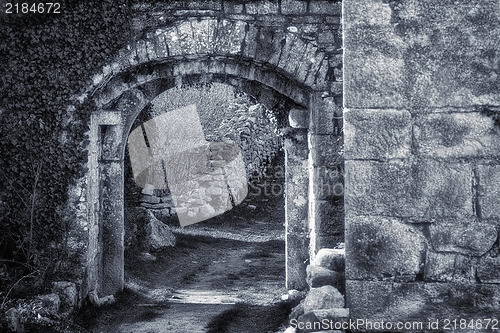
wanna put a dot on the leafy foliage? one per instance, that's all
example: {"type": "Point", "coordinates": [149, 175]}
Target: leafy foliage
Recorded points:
{"type": "Point", "coordinates": [45, 60]}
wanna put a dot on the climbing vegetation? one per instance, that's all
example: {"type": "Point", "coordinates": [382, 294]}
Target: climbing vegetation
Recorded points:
{"type": "Point", "coordinates": [46, 59]}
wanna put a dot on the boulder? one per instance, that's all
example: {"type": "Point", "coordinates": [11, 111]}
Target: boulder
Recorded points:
{"type": "Point", "coordinates": [297, 311]}
{"type": "Point", "coordinates": [310, 323]}
{"type": "Point", "coordinates": [67, 293]}
{"type": "Point", "coordinates": [323, 298]}
{"type": "Point", "coordinates": [333, 259]}
{"type": "Point", "coordinates": [317, 276]}
{"type": "Point", "coordinates": [157, 235]}
{"type": "Point", "coordinates": [334, 314]}
{"type": "Point", "coordinates": [148, 189]}
{"type": "Point", "coordinates": [207, 211]}
{"type": "Point", "coordinates": [51, 302]}
{"type": "Point", "coordinates": [13, 318]}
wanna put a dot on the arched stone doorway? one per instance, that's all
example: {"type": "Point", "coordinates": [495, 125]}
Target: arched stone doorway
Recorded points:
{"type": "Point", "coordinates": [142, 73]}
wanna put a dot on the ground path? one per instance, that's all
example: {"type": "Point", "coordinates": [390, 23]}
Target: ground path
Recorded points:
{"type": "Point", "coordinates": [229, 283]}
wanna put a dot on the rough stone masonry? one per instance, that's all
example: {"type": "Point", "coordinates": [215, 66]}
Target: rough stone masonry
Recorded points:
{"type": "Point", "coordinates": [422, 173]}
{"type": "Point", "coordinates": [421, 161]}
{"type": "Point", "coordinates": [284, 53]}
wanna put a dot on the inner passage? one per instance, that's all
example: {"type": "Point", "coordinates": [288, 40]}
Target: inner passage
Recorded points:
{"type": "Point", "coordinates": [205, 222]}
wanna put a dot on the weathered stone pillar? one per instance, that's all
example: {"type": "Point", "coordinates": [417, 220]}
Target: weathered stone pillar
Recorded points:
{"type": "Point", "coordinates": [112, 229]}
{"type": "Point", "coordinates": [326, 167]}
{"type": "Point", "coordinates": [111, 205]}
{"type": "Point", "coordinates": [296, 209]}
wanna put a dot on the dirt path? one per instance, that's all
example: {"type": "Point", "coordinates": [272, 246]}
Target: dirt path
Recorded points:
{"type": "Point", "coordinates": [204, 284]}
{"type": "Point", "coordinates": [225, 275]}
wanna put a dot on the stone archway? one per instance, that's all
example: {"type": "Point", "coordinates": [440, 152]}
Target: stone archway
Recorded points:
{"type": "Point", "coordinates": [172, 56]}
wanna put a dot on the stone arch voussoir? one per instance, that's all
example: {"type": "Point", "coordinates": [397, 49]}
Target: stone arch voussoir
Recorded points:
{"type": "Point", "coordinates": [221, 46]}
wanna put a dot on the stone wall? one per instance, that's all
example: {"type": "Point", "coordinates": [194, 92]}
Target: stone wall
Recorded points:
{"type": "Point", "coordinates": [254, 132]}
{"type": "Point", "coordinates": [422, 163]}
{"type": "Point", "coordinates": [278, 52]}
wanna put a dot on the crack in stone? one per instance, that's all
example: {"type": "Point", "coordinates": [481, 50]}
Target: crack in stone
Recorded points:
{"type": "Point", "coordinates": [476, 206]}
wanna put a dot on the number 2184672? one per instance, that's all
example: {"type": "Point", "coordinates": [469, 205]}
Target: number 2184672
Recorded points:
{"type": "Point", "coordinates": [35, 8]}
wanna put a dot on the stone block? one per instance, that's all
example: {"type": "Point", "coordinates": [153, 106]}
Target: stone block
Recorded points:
{"type": "Point", "coordinates": [232, 7]}
{"type": "Point", "coordinates": [489, 191]}
{"type": "Point", "coordinates": [373, 80]}
{"type": "Point", "coordinates": [302, 71]}
{"type": "Point", "coordinates": [325, 297]}
{"type": "Point", "coordinates": [262, 7]}
{"type": "Point", "coordinates": [329, 182]}
{"type": "Point", "coordinates": [185, 37]}
{"type": "Point", "coordinates": [368, 13]}
{"type": "Point", "coordinates": [374, 71]}
{"type": "Point", "coordinates": [333, 259]}
{"type": "Point", "coordinates": [379, 247]}
{"type": "Point", "coordinates": [293, 52]}
{"type": "Point", "coordinates": [249, 45]}
{"type": "Point", "coordinates": [326, 116]}
{"type": "Point", "coordinates": [446, 267]}
{"type": "Point", "coordinates": [377, 134]}
{"type": "Point", "coordinates": [321, 78]}
{"type": "Point", "coordinates": [51, 302]}
{"type": "Point", "coordinates": [469, 237]}
{"type": "Point", "coordinates": [299, 118]}
{"type": "Point", "coordinates": [488, 269]}
{"type": "Point", "coordinates": [270, 44]}
{"type": "Point", "coordinates": [317, 71]}
{"type": "Point", "coordinates": [67, 293]}
{"type": "Point", "coordinates": [421, 302]}
{"type": "Point", "coordinates": [151, 47]}
{"type": "Point", "coordinates": [148, 189]}
{"type": "Point", "coordinates": [149, 199]}
{"type": "Point", "coordinates": [204, 4]}
{"type": "Point", "coordinates": [203, 33]}
{"type": "Point", "coordinates": [157, 235]}
{"type": "Point", "coordinates": [417, 189]}
{"type": "Point", "coordinates": [318, 276]}
{"type": "Point", "coordinates": [456, 135]}
{"type": "Point", "coordinates": [297, 247]}
{"type": "Point", "coordinates": [328, 7]}
{"type": "Point", "coordinates": [230, 37]}
{"type": "Point", "coordinates": [329, 221]}
{"type": "Point", "coordinates": [293, 7]}
{"type": "Point", "coordinates": [326, 154]}
{"type": "Point", "coordinates": [142, 51]}
{"type": "Point", "coordinates": [332, 314]}
{"type": "Point", "coordinates": [172, 39]}
{"type": "Point", "coordinates": [442, 69]}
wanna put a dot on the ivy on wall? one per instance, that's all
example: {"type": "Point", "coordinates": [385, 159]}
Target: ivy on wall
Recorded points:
{"type": "Point", "coordinates": [45, 59]}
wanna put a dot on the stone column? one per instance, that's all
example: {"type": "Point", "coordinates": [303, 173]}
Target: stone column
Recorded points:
{"type": "Point", "coordinates": [296, 208]}
{"type": "Point", "coordinates": [327, 172]}
{"type": "Point", "coordinates": [111, 208]}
